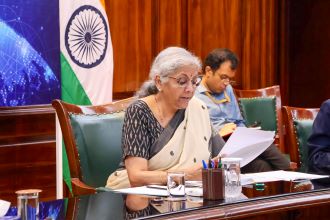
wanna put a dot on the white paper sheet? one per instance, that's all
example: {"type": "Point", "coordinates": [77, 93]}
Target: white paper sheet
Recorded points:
{"type": "Point", "coordinates": [157, 190]}
{"type": "Point", "coordinates": [193, 183]}
{"type": "Point", "coordinates": [144, 190]}
{"type": "Point", "coordinates": [280, 175]}
{"type": "Point", "coordinates": [247, 143]}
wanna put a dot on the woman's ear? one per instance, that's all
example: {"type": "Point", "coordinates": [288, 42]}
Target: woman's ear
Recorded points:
{"type": "Point", "coordinates": [158, 83]}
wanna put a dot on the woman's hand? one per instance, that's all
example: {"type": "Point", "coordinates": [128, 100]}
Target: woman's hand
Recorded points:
{"type": "Point", "coordinates": [194, 172]}
{"type": "Point", "coordinates": [139, 175]}
{"type": "Point", "coordinates": [227, 129]}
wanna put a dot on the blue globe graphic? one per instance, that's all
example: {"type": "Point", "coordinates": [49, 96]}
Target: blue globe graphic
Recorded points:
{"type": "Point", "coordinates": [25, 77]}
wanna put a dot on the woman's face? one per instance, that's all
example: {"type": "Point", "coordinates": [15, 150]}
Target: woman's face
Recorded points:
{"type": "Point", "coordinates": [180, 87]}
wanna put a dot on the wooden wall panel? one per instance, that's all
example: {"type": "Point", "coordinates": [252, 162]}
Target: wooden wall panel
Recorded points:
{"type": "Point", "coordinates": [27, 151]}
{"type": "Point", "coordinates": [212, 24]}
{"type": "Point", "coordinates": [131, 32]}
{"type": "Point", "coordinates": [169, 22]}
{"type": "Point", "coordinates": [246, 27]}
{"type": "Point", "coordinates": [283, 53]}
{"type": "Point", "coordinates": [140, 29]}
{"type": "Point", "coordinates": [309, 52]}
{"type": "Point", "coordinates": [259, 44]}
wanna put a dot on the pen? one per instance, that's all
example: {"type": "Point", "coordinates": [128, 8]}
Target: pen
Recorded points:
{"type": "Point", "coordinates": [211, 163]}
{"type": "Point", "coordinates": [216, 163]}
{"type": "Point", "coordinates": [204, 164]}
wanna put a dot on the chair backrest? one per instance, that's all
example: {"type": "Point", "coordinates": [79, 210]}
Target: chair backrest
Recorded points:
{"type": "Point", "coordinates": [298, 123]}
{"type": "Point", "coordinates": [261, 110]}
{"type": "Point", "coordinates": [92, 137]}
{"type": "Point", "coordinates": [264, 106]}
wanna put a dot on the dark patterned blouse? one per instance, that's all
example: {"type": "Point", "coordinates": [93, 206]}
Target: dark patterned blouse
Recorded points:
{"type": "Point", "coordinates": [140, 130]}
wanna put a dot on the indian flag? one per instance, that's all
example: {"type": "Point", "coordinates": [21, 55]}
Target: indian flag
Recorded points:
{"type": "Point", "coordinates": [86, 57]}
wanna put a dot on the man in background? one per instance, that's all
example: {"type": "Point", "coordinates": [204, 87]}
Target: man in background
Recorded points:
{"type": "Point", "coordinates": [319, 146]}
{"type": "Point", "coordinates": [216, 92]}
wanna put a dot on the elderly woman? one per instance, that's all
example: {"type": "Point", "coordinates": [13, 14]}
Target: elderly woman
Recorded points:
{"type": "Point", "coordinates": [167, 129]}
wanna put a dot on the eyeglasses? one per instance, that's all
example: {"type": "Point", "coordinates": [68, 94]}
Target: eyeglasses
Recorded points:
{"type": "Point", "coordinates": [183, 81]}
{"type": "Point", "coordinates": [224, 77]}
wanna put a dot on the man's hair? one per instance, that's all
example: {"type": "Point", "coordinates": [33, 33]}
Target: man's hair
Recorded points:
{"type": "Point", "coordinates": [218, 56]}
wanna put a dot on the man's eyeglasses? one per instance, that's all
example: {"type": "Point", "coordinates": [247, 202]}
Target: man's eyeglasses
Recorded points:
{"type": "Point", "coordinates": [224, 77]}
{"type": "Point", "coordinates": [183, 81]}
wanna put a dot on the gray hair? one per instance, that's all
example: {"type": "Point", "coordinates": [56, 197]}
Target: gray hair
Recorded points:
{"type": "Point", "coordinates": [166, 63]}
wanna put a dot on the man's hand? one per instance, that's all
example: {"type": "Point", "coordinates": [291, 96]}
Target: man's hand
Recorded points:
{"type": "Point", "coordinates": [227, 129]}
{"type": "Point", "coordinates": [293, 166]}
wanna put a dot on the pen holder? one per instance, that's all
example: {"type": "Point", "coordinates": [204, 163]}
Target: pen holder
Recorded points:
{"type": "Point", "coordinates": [213, 184]}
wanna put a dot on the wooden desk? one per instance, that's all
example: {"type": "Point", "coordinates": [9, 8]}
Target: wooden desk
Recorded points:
{"type": "Point", "coordinates": [309, 205]}
{"type": "Point", "coordinates": [109, 205]}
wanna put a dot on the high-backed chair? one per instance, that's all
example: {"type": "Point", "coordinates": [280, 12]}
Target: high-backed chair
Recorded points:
{"type": "Point", "coordinates": [298, 123]}
{"type": "Point", "coordinates": [92, 138]}
{"type": "Point", "coordinates": [263, 106]}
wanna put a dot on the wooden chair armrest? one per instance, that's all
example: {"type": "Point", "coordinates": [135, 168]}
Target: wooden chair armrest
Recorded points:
{"type": "Point", "coordinates": [80, 188]}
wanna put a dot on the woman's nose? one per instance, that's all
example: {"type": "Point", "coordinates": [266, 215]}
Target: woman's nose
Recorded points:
{"type": "Point", "coordinates": [190, 87]}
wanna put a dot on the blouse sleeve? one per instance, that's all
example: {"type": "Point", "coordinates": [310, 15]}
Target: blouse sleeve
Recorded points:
{"type": "Point", "coordinates": [135, 140]}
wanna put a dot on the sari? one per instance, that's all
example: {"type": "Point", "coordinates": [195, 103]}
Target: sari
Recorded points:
{"type": "Point", "coordinates": [182, 144]}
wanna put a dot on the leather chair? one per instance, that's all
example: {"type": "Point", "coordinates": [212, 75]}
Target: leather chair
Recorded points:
{"type": "Point", "coordinates": [263, 106]}
{"type": "Point", "coordinates": [92, 138]}
{"type": "Point", "coordinates": [298, 123]}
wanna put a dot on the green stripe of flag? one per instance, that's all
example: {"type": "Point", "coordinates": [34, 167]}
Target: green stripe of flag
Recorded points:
{"type": "Point", "coordinates": [72, 92]}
